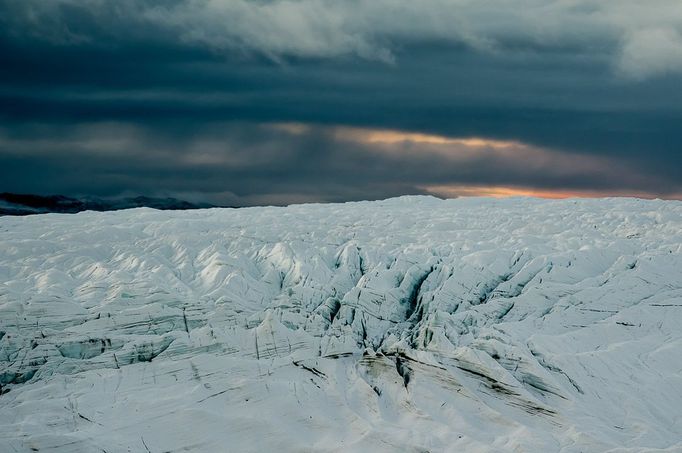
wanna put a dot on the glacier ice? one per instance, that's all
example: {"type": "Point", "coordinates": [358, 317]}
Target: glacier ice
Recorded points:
{"type": "Point", "coordinates": [410, 324]}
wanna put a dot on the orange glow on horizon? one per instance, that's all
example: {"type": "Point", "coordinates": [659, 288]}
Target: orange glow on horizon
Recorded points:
{"type": "Point", "coordinates": [386, 136]}
{"type": "Point", "coordinates": [390, 137]}
{"type": "Point", "coordinates": [470, 153]}
{"type": "Point", "coordinates": [452, 191]}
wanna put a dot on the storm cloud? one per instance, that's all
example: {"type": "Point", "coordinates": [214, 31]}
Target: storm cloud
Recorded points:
{"type": "Point", "coordinates": [250, 102]}
{"type": "Point", "coordinates": [641, 38]}
{"type": "Point", "coordinates": [244, 164]}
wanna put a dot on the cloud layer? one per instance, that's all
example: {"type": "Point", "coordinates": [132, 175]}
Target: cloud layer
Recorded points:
{"type": "Point", "coordinates": [280, 101]}
{"type": "Point", "coordinates": [640, 39]}
{"type": "Point", "coordinates": [243, 164]}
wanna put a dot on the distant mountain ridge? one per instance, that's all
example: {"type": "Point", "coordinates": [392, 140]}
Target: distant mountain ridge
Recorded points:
{"type": "Point", "coordinates": [26, 204]}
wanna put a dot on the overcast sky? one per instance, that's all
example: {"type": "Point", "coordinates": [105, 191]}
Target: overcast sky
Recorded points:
{"type": "Point", "coordinates": [270, 101]}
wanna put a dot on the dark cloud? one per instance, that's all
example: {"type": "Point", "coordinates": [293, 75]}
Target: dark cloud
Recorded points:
{"type": "Point", "coordinates": [641, 39]}
{"type": "Point", "coordinates": [107, 97]}
{"type": "Point", "coordinates": [243, 163]}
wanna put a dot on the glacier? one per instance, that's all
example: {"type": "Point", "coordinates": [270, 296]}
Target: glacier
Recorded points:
{"type": "Point", "coordinates": [410, 324]}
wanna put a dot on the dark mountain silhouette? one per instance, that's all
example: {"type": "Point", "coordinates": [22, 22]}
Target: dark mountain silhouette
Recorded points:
{"type": "Point", "coordinates": [26, 204]}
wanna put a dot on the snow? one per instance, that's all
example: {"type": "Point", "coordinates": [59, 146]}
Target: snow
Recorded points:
{"type": "Point", "coordinates": [411, 324]}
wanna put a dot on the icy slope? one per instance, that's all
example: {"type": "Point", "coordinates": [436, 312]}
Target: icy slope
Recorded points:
{"type": "Point", "coordinates": [412, 324]}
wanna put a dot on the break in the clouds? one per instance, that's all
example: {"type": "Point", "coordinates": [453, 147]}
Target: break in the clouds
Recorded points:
{"type": "Point", "coordinates": [246, 164]}
{"type": "Point", "coordinates": [248, 102]}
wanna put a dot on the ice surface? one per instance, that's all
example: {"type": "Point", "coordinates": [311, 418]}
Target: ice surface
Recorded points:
{"type": "Point", "coordinates": [411, 324]}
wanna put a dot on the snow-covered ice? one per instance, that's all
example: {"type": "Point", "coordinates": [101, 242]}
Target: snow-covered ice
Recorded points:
{"type": "Point", "coordinates": [411, 324]}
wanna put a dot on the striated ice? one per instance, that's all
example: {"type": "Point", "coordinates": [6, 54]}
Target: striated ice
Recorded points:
{"type": "Point", "coordinates": [411, 324]}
